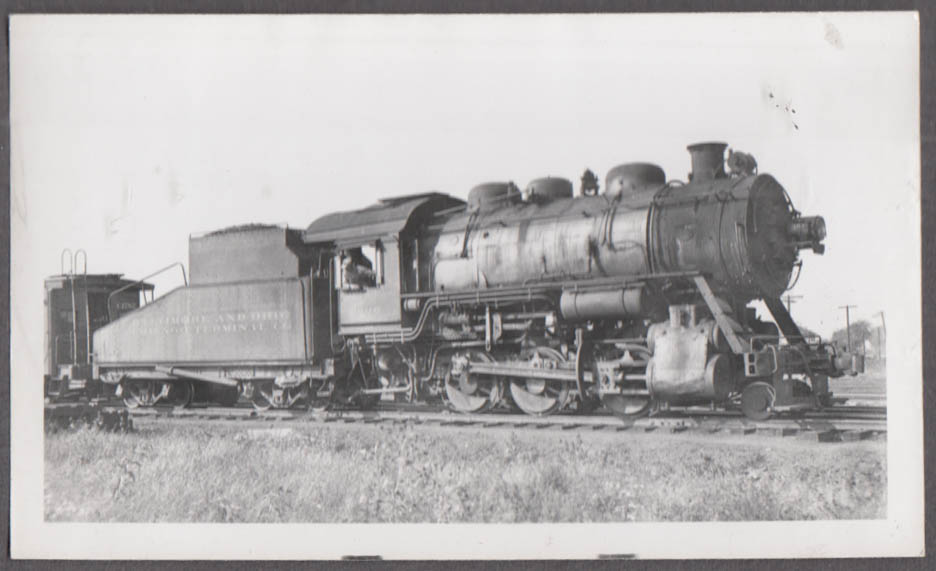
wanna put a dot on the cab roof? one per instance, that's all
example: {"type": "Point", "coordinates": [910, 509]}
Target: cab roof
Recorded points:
{"type": "Point", "coordinates": [388, 217]}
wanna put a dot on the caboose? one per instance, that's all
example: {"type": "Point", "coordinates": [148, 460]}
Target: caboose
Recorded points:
{"type": "Point", "coordinates": [77, 305]}
{"type": "Point", "coordinates": [637, 297]}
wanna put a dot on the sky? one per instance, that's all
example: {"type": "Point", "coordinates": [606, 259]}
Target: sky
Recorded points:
{"type": "Point", "coordinates": [129, 133]}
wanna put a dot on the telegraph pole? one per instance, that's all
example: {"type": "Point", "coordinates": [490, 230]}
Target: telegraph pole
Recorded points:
{"type": "Point", "coordinates": [848, 323]}
{"type": "Point", "coordinates": [884, 332]}
{"type": "Point", "coordinates": [790, 299]}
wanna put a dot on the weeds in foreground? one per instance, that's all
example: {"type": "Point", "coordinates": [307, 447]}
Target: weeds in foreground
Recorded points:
{"type": "Point", "coordinates": [401, 474]}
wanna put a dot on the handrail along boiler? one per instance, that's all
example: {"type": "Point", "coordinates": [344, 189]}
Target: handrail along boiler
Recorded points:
{"type": "Point", "coordinates": [636, 297]}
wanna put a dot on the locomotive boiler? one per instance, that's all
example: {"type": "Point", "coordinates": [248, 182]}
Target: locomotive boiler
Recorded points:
{"type": "Point", "coordinates": [544, 299]}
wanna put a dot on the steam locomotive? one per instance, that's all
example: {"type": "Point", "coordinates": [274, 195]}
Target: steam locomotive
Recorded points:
{"type": "Point", "coordinates": [637, 298]}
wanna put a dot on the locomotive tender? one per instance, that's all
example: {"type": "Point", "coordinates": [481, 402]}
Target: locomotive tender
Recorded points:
{"type": "Point", "coordinates": [636, 297]}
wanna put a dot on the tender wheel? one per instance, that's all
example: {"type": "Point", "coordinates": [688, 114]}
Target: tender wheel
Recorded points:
{"type": "Point", "coordinates": [539, 397]}
{"type": "Point", "coordinates": [180, 394]}
{"type": "Point", "coordinates": [757, 400]}
{"type": "Point", "coordinates": [139, 393]}
{"type": "Point", "coordinates": [626, 406]}
{"type": "Point", "coordinates": [133, 394]}
{"type": "Point", "coordinates": [471, 393]}
{"type": "Point", "coordinates": [262, 395]}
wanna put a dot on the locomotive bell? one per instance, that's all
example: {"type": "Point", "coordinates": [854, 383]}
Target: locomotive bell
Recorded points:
{"type": "Point", "coordinates": [708, 161]}
{"type": "Point", "coordinates": [630, 178]}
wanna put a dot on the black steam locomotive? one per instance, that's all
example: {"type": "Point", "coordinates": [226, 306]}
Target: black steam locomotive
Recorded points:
{"type": "Point", "coordinates": [635, 297]}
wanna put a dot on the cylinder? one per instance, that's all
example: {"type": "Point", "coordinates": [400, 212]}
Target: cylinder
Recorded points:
{"type": "Point", "coordinates": [708, 161]}
{"type": "Point", "coordinates": [618, 304]}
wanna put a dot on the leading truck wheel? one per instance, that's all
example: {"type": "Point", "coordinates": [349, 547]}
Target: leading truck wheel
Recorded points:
{"type": "Point", "coordinates": [757, 400]}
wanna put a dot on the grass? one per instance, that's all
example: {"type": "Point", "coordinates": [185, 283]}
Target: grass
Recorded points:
{"type": "Point", "coordinates": [322, 473]}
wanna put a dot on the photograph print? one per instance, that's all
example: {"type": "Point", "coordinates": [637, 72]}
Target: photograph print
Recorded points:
{"type": "Point", "coordinates": [539, 286]}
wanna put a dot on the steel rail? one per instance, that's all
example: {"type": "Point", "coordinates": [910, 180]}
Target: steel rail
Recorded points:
{"type": "Point", "coordinates": [824, 429]}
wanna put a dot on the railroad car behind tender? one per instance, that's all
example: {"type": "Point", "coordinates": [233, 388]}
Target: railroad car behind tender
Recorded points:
{"type": "Point", "coordinates": [77, 305]}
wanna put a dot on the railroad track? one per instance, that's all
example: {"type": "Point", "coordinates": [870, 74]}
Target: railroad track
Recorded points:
{"type": "Point", "coordinates": [835, 424]}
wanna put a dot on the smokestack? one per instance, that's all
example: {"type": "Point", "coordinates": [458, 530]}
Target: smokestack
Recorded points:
{"type": "Point", "coordinates": [708, 161]}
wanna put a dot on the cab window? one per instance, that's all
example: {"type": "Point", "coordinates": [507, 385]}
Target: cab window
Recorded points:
{"type": "Point", "coordinates": [359, 268]}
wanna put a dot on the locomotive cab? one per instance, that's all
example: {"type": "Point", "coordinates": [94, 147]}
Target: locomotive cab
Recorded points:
{"type": "Point", "coordinates": [375, 259]}
{"type": "Point", "coordinates": [367, 282]}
